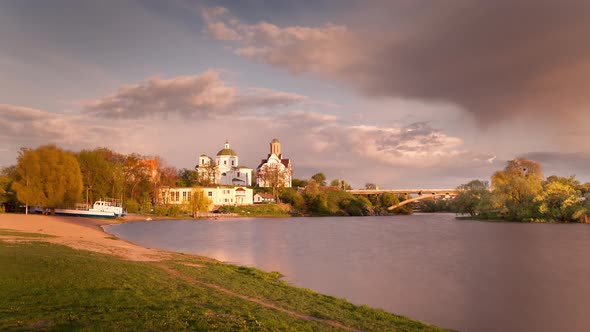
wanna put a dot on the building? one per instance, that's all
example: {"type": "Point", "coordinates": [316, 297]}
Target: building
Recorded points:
{"type": "Point", "coordinates": [264, 198]}
{"type": "Point", "coordinates": [225, 169]}
{"type": "Point", "coordinates": [274, 168]}
{"type": "Point", "coordinates": [218, 196]}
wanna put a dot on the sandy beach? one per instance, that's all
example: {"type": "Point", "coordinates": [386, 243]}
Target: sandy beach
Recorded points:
{"type": "Point", "coordinates": [77, 233]}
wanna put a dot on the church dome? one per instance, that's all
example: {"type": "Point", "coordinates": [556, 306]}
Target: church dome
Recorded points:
{"type": "Point", "coordinates": [274, 140]}
{"type": "Point", "coordinates": [226, 152]}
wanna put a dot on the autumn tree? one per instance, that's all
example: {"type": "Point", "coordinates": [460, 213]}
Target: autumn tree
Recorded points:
{"type": "Point", "coordinates": [560, 199]}
{"type": "Point", "coordinates": [199, 201]}
{"type": "Point", "coordinates": [516, 187]}
{"type": "Point", "coordinates": [49, 177]}
{"type": "Point", "coordinates": [206, 173]}
{"type": "Point", "coordinates": [273, 176]}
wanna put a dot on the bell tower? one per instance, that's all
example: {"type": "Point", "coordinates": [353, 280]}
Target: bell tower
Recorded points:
{"type": "Point", "coordinates": [275, 147]}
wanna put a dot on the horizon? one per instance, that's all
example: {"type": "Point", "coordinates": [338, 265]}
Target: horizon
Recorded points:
{"type": "Point", "coordinates": [406, 95]}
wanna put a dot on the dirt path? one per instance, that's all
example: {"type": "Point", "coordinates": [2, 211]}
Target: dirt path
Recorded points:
{"type": "Point", "coordinates": [86, 234]}
{"type": "Point", "coordinates": [263, 303]}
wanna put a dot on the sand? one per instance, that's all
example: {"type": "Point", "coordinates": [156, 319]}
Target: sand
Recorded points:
{"type": "Point", "coordinates": [77, 233]}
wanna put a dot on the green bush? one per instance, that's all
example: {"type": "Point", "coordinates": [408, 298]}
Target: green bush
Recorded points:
{"type": "Point", "coordinates": [132, 206]}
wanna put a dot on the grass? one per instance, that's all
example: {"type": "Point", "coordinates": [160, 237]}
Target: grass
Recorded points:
{"type": "Point", "coordinates": [259, 210]}
{"type": "Point", "coordinates": [8, 232]}
{"type": "Point", "coordinates": [51, 287]}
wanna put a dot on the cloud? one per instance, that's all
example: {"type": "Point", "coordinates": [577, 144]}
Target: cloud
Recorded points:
{"type": "Point", "coordinates": [562, 163]}
{"type": "Point", "coordinates": [28, 127]}
{"type": "Point", "coordinates": [199, 95]}
{"type": "Point", "coordinates": [495, 59]}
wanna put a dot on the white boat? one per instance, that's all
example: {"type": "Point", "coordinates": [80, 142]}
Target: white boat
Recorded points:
{"type": "Point", "coordinates": [100, 209]}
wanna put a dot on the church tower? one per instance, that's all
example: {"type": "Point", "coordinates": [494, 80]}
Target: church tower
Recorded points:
{"type": "Point", "coordinates": [275, 148]}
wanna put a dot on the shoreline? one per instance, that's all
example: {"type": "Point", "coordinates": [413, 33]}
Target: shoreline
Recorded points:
{"type": "Point", "coordinates": [77, 233]}
{"type": "Point", "coordinates": [245, 287]}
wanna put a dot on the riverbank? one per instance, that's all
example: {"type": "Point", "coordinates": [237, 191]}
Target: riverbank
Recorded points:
{"type": "Point", "coordinates": [108, 283]}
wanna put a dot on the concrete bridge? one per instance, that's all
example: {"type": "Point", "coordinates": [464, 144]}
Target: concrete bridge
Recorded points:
{"type": "Point", "coordinates": [410, 195]}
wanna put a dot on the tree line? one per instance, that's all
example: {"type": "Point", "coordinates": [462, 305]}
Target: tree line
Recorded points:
{"type": "Point", "coordinates": [51, 177]}
{"type": "Point", "coordinates": [520, 192]}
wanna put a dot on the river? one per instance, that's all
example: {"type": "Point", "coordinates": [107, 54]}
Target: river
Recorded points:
{"type": "Point", "coordinates": [465, 275]}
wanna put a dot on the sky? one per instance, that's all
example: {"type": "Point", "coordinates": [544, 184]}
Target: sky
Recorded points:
{"type": "Point", "coordinates": [401, 93]}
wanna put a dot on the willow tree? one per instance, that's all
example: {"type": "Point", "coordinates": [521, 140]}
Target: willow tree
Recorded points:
{"type": "Point", "coordinates": [48, 176]}
{"type": "Point", "coordinates": [516, 187]}
{"type": "Point", "coordinates": [199, 202]}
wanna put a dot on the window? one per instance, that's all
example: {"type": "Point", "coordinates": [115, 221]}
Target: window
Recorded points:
{"type": "Point", "coordinates": [184, 195]}
{"type": "Point", "coordinates": [189, 196]}
{"type": "Point", "coordinates": [225, 162]}
{"type": "Point", "coordinates": [232, 162]}
{"type": "Point", "coordinates": [178, 196]}
{"type": "Point", "coordinates": [210, 194]}
{"type": "Point", "coordinates": [238, 174]}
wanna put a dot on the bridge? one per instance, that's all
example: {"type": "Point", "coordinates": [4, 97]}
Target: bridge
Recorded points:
{"type": "Point", "coordinates": [420, 194]}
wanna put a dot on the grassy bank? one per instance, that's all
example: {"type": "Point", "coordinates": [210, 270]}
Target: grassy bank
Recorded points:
{"type": "Point", "coordinates": [259, 210]}
{"type": "Point", "coordinates": [52, 287]}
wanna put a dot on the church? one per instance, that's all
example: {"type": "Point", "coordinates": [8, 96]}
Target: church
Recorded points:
{"type": "Point", "coordinates": [275, 160]}
{"type": "Point", "coordinates": [225, 169]}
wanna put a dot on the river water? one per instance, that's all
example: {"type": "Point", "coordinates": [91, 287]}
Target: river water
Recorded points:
{"type": "Point", "coordinates": [465, 275]}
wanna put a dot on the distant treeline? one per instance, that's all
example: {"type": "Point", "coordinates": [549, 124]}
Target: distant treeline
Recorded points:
{"type": "Point", "coordinates": [52, 177]}
{"type": "Point", "coordinates": [521, 193]}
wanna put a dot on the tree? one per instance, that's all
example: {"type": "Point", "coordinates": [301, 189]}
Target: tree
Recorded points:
{"type": "Point", "coordinates": [207, 173]}
{"type": "Point", "coordinates": [199, 202]}
{"type": "Point", "coordinates": [299, 183]}
{"type": "Point", "coordinates": [319, 178]}
{"type": "Point", "coordinates": [472, 197]}
{"type": "Point", "coordinates": [561, 200]}
{"type": "Point", "coordinates": [273, 176]}
{"type": "Point", "coordinates": [371, 186]}
{"type": "Point", "coordinates": [96, 174]}
{"type": "Point", "coordinates": [7, 195]}
{"type": "Point", "coordinates": [515, 189]}
{"type": "Point", "coordinates": [340, 184]}
{"type": "Point", "coordinates": [48, 176]}
{"type": "Point", "coordinates": [187, 178]}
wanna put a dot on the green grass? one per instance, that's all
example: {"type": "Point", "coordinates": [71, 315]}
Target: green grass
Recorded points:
{"type": "Point", "coordinates": [8, 232]}
{"type": "Point", "coordinates": [51, 287]}
{"type": "Point", "coordinates": [259, 210]}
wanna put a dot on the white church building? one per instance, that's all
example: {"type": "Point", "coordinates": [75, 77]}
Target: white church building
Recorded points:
{"type": "Point", "coordinates": [225, 169]}
{"type": "Point", "coordinates": [275, 159]}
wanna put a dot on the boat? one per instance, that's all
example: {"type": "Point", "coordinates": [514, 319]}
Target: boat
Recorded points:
{"type": "Point", "coordinates": [100, 209]}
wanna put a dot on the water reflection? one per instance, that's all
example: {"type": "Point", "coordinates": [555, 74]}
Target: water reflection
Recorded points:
{"type": "Point", "coordinates": [472, 276]}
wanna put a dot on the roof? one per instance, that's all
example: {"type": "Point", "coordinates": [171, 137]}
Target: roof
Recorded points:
{"type": "Point", "coordinates": [285, 162]}
{"type": "Point", "coordinates": [240, 189]}
{"type": "Point", "coordinates": [226, 152]}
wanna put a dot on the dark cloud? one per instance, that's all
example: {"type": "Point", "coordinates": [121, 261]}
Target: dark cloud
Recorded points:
{"type": "Point", "coordinates": [562, 163]}
{"type": "Point", "coordinates": [495, 59]}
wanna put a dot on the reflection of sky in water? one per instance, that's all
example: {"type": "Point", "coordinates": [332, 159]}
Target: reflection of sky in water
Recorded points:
{"type": "Point", "coordinates": [473, 276]}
